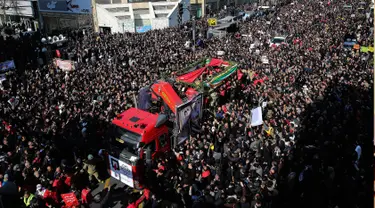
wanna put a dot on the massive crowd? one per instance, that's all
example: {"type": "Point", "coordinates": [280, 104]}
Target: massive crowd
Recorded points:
{"type": "Point", "coordinates": [311, 151]}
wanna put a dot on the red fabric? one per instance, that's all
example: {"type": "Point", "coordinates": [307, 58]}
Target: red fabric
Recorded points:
{"type": "Point", "coordinates": [215, 62]}
{"type": "Point", "coordinates": [37, 160]}
{"type": "Point", "coordinates": [68, 181]}
{"type": "Point", "coordinates": [310, 49]}
{"type": "Point", "coordinates": [147, 194]}
{"type": "Point", "coordinates": [59, 184]}
{"type": "Point", "coordinates": [222, 92]}
{"type": "Point", "coordinates": [161, 168]}
{"type": "Point", "coordinates": [56, 183]}
{"type": "Point", "coordinates": [139, 201]}
{"type": "Point", "coordinates": [47, 194]}
{"type": "Point", "coordinates": [132, 205]}
{"type": "Point", "coordinates": [191, 76]}
{"type": "Point", "coordinates": [85, 196]}
{"type": "Point", "coordinates": [239, 74]}
{"type": "Point", "coordinates": [297, 40]}
{"type": "Point", "coordinates": [258, 81]}
{"type": "Point", "coordinates": [190, 93]}
{"type": "Point", "coordinates": [58, 54]}
{"type": "Point", "coordinates": [224, 108]}
{"type": "Point", "coordinates": [70, 199]}
{"type": "Point", "coordinates": [287, 122]}
{"type": "Point", "coordinates": [206, 173]}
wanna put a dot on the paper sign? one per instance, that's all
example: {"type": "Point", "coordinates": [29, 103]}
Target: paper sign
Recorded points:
{"type": "Point", "coordinates": [70, 199]}
{"type": "Point", "coordinates": [212, 22]}
{"type": "Point", "coordinates": [256, 117]}
{"type": "Point", "coordinates": [114, 166]}
{"type": "Point", "coordinates": [126, 174]}
{"type": "Point", "coordinates": [64, 65]}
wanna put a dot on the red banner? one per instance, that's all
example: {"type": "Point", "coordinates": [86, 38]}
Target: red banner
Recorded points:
{"type": "Point", "coordinates": [70, 199]}
{"type": "Point", "coordinates": [239, 74]}
{"type": "Point", "coordinates": [192, 76]}
{"type": "Point", "coordinates": [190, 93]}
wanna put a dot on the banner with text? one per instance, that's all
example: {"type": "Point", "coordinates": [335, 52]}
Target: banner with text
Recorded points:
{"type": "Point", "coordinates": [65, 65]}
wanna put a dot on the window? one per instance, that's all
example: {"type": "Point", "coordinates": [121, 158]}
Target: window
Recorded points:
{"type": "Point", "coordinates": [161, 15]}
{"type": "Point", "coordinates": [162, 140]}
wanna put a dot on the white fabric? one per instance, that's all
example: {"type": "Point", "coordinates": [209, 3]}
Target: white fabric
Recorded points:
{"type": "Point", "coordinates": [256, 117]}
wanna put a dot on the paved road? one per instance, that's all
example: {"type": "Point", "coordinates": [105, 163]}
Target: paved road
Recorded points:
{"type": "Point", "coordinates": [118, 198]}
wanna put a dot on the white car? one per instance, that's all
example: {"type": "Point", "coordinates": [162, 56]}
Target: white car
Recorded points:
{"type": "Point", "coordinates": [278, 40]}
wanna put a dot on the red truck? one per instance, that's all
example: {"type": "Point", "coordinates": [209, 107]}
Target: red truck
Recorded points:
{"type": "Point", "coordinates": [139, 136]}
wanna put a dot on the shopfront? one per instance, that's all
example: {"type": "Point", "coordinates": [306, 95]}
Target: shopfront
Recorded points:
{"type": "Point", "coordinates": [60, 15]}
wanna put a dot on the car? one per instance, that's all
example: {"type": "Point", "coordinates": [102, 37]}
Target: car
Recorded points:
{"type": "Point", "coordinates": [277, 40]}
{"type": "Point", "coordinates": [349, 41]}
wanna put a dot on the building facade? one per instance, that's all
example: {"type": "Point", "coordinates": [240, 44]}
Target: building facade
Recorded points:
{"type": "Point", "coordinates": [139, 16]}
{"type": "Point", "coordinates": [58, 15]}
{"type": "Point", "coordinates": [19, 13]}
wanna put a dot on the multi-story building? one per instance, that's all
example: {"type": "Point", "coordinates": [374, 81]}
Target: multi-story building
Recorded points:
{"type": "Point", "coordinates": [23, 13]}
{"type": "Point", "coordinates": [138, 15]}
{"type": "Point", "coordinates": [63, 14]}
{"type": "Point", "coordinates": [112, 15]}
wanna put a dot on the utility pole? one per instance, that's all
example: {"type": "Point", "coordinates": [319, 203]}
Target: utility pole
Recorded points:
{"type": "Point", "coordinates": [4, 8]}
{"type": "Point", "coordinates": [193, 19]}
{"type": "Point", "coordinates": [203, 13]}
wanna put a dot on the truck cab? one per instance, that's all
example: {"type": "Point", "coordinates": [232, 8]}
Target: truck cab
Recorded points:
{"type": "Point", "coordinates": [137, 137]}
{"type": "Point", "coordinates": [140, 135]}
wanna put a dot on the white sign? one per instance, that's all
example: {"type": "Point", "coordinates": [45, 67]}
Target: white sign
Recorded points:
{"type": "Point", "coordinates": [256, 117]}
{"type": "Point", "coordinates": [114, 165]}
{"type": "Point", "coordinates": [220, 53]}
{"type": "Point", "coordinates": [64, 65]}
{"type": "Point", "coordinates": [126, 174]}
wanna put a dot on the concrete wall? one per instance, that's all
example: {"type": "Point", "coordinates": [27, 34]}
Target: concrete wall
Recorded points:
{"type": "Point", "coordinates": [186, 14]}
{"type": "Point", "coordinates": [108, 18]}
{"type": "Point", "coordinates": [159, 23]}
{"type": "Point", "coordinates": [105, 19]}
{"type": "Point", "coordinates": [128, 25]}
{"type": "Point", "coordinates": [173, 18]}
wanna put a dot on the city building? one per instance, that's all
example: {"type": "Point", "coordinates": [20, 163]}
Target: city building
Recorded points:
{"type": "Point", "coordinates": [19, 13]}
{"type": "Point", "coordinates": [140, 16]}
{"type": "Point", "coordinates": [58, 15]}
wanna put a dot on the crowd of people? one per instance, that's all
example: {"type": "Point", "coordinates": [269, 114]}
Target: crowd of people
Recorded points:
{"type": "Point", "coordinates": [313, 149]}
